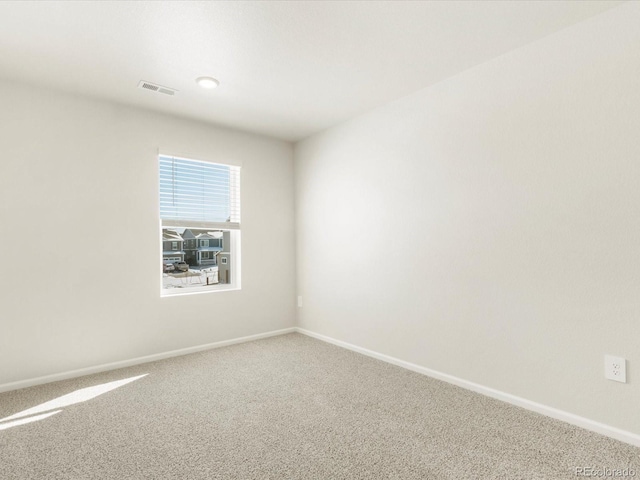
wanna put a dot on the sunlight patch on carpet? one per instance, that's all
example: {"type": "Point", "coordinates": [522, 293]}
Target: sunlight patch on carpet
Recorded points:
{"type": "Point", "coordinates": [78, 396]}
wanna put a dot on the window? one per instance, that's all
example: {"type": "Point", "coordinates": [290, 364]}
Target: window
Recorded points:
{"type": "Point", "coordinates": [200, 198]}
{"type": "Point", "coordinates": [223, 260]}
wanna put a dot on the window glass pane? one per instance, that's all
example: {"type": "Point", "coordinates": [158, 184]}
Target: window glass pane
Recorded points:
{"type": "Point", "coordinates": [200, 213]}
{"type": "Point", "coordinates": [197, 267]}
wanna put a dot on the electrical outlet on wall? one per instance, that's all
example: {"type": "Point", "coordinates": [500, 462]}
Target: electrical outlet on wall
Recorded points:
{"type": "Point", "coordinates": [615, 368]}
{"type": "Point", "coordinates": [299, 301]}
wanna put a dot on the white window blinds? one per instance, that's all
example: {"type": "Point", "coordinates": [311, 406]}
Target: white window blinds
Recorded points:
{"type": "Point", "coordinates": [199, 194]}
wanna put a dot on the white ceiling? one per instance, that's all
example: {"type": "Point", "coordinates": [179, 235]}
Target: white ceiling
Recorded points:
{"type": "Point", "coordinates": [287, 69]}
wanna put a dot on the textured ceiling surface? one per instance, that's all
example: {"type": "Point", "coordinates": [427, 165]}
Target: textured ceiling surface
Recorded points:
{"type": "Point", "coordinates": [287, 69]}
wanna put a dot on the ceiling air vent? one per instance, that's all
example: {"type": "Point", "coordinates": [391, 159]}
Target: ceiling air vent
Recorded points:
{"type": "Point", "coordinates": [156, 88]}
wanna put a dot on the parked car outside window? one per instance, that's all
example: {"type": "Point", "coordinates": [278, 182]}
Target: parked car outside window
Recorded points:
{"type": "Point", "coordinates": [182, 266]}
{"type": "Point", "coordinates": [168, 267]}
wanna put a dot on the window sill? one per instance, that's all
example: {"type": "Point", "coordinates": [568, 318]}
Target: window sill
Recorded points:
{"type": "Point", "coordinates": [179, 292]}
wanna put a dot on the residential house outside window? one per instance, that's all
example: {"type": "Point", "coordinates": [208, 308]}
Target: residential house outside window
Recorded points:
{"type": "Point", "coordinates": [200, 223]}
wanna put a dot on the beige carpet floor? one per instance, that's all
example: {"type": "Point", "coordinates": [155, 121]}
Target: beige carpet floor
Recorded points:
{"type": "Point", "coordinates": [287, 407]}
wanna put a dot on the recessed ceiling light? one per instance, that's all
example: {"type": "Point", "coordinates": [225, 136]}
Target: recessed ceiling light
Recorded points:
{"type": "Point", "coordinates": [207, 82]}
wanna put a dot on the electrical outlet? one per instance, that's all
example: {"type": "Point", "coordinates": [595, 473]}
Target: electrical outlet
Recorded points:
{"type": "Point", "coordinates": [615, 368]}
{"type": "Point", "coordinates": [299, 301]}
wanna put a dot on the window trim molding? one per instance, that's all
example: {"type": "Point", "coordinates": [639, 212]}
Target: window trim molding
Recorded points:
{"type": "Point", "coordinates": [234, 229]}
{"type": "Point", "coordinates": [200, 156]}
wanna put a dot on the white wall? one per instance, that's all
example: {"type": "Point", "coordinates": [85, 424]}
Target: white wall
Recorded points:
{"type": "Point", "coordinates": [488, 227]}
{"type": "Point", "coordinates": [79, 276]}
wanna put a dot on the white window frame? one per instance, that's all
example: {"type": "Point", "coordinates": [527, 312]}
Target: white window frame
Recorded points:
{"type": "Point", "coordinates": [223, 261]}
{"type": "Point", "coordinates": [234, 253]}
{"type": "Point", "coordinates": [174, 245]}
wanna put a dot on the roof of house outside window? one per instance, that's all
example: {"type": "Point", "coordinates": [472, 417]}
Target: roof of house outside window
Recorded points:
{"type": "Point", "coordinates": [191, 233]}
{"type": "Point", "coordinates": [171, 236]}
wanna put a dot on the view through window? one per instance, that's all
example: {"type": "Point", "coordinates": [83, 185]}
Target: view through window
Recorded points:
{"type": "Point", "coordinates": [200, 216]}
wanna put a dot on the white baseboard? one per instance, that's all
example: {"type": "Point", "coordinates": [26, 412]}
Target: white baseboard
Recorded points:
{"type": "Point", "coordinates": [6, 387]}
{"type": "Point", "coordinates": [601, 428]}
